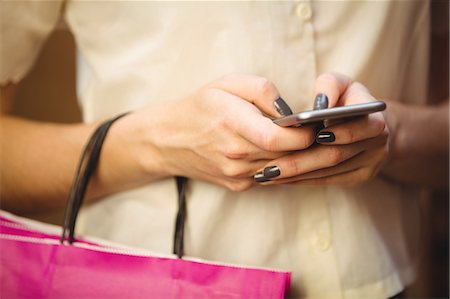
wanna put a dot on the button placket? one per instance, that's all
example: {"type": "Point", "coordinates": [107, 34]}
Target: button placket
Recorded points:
{"type": "Point", "coordinates": [302, 22]}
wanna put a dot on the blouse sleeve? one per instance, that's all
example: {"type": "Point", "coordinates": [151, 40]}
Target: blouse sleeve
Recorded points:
{"type": "Point", "coordinates": [24, 27]}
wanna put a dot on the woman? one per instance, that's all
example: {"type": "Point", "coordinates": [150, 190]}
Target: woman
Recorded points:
{"type": "Point", "coordinates": [348, 226]}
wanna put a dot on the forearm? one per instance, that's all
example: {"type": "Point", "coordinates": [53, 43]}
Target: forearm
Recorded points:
{"type": "Point", "coordinates": [419, 144]}
{"type": "Point", "coordinates": [38, 161]}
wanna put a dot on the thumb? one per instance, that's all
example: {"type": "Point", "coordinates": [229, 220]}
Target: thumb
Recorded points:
{"type": "Point", "coordinates": [328, 88]}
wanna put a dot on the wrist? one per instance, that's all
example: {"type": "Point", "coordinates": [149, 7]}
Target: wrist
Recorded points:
{"type": "Point", "coordinates": [395, 117]}
{"type": "Point", "coordinates": [395, 127]}
{"type": "Point", "coordinates": [128, 158]}
{"type": "Point", "coordinates": [418, 150]}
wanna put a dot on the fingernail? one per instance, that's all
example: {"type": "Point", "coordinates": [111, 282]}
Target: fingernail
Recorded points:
{"type": "Point", "coordinates": [325, 137]}
{"type": "Point", "coordinates": [271, 172]}
{"type": "Point", "coordinates": [260, 178]}
{"type": "Point", "coordinates": [266, 174]}
{"type": "Point", "coordinates": [282, 107]}
{"type": "Point", "coordinates": [320, 102]}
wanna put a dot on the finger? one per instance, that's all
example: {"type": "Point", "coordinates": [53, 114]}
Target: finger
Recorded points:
{"type": "Point", "coordinates": [257, 90]}
{"type": "Point", "coordinates": [344, 179]}
{"type": "Point", "coordinates": [242, 149]}
{"type": "Point", "coordinates": [263, 133]}
{"type": "Point", "coordinates": [366, 172]}
{"type": "Point", "coordinates": [357, 129]}
{"type": "Point", "coordinates": [350, 165]}
{"type": "Point", "coordinates": [332, 85]}
{"type": "Point", "coordinates": [361, 160]}
{"type": "Point", "coordinates": [316, 158]}
{"type": "Point", "coordinates": [270, 137]}
{"type": "Point", "coordinates": [237, 169]}
{"type": "Point", "coordinates": [235, 176]}
{"type": "Point", "coordinates": [239, 185]}
{"type": "Point", "coordinates": [266, 156]}
{"type": "Point", "coordinates": [304, 162]}
{"type": "Point", "coordinates": [356, 93]}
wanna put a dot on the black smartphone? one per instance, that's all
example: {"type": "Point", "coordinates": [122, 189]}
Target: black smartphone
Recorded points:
{"type": "Point", "coordinates": [314, 116]}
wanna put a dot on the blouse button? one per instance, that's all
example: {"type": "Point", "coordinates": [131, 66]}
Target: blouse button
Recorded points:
{"type": "Point", "coordinates": [321, 242]}
{"type": "Point", "coordinates": [304, 11]}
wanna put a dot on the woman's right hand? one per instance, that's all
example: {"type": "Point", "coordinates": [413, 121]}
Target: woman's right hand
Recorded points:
{"type": "Point", "coordinates": [218, 134]}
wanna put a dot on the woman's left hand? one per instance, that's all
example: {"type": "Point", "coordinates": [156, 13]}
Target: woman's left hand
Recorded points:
{"type": "Point", "coordinates": [347, 153]}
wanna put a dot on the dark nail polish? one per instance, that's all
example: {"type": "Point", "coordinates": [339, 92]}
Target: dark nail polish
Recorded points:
{"type": "Point", "coordinates": [266, 174]}
{"type": "Point", "coordinates": [325, 137]}
{"type": "Point", "coordinates": [321, 102]}
{"type": "Point", "coordinates": [282, 107]}
{"type": "Point", "coordinates": [260, 178]}
{"type": "Point", "coordinates": [271, 172]}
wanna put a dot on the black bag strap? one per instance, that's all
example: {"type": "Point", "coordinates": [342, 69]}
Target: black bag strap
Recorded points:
{"type": "Point", "coordinates": [178, 238]}
{"type": "Point", "coordinates": [86, 167]}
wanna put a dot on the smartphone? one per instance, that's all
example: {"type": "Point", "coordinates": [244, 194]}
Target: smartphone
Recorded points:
{"type": "Point", "coordinates": [314, 116]}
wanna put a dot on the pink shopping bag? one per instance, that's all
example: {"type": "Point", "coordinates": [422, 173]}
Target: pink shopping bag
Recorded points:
{"type": "Point", "coordinates": [34, 264]}
{"type": "Point", "coordinates": [39, 260]}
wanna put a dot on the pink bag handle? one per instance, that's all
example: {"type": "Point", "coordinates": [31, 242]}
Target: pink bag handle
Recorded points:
{"type": "Point", "coordinates": [86, 167]}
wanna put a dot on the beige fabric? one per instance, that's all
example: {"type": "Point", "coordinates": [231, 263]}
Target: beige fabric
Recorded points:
{"type": "Point", "coordinates": [356, 242]}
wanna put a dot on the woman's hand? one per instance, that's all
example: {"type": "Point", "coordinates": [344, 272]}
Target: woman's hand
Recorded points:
{"type": "Point", "coordinates": [218, 134]}
{"type": "Point", "coordinates": [347, 153]}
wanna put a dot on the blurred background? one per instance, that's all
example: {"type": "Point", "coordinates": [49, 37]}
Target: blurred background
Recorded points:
{"type": "Point", "coordinates": [48, 94]}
